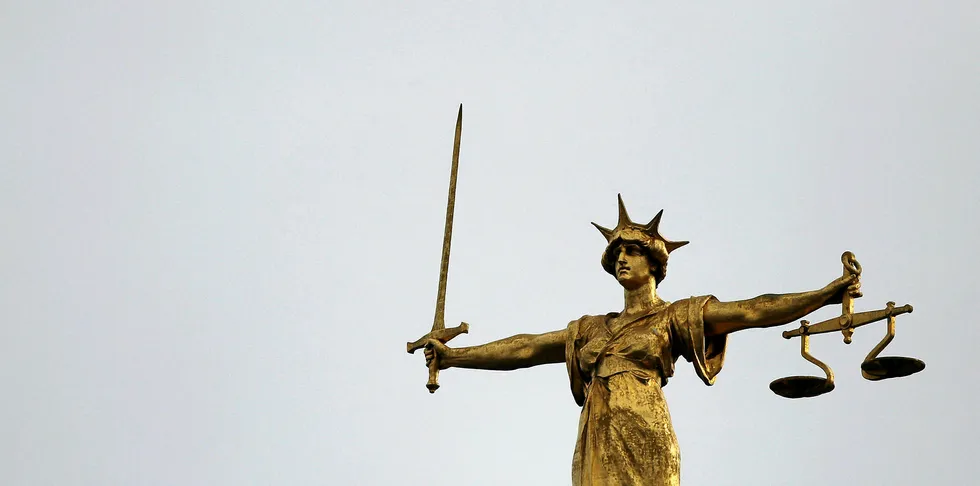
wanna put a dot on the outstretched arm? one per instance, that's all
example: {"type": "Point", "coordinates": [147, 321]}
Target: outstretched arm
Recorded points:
{"type": "Point", "coordinates": [774, 309]}
{"type": "Point", "coordinates": [515, 352]}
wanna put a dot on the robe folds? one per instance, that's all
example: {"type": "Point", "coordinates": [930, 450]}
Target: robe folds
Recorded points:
{"type": "Point", "coordinates": [625, 436]}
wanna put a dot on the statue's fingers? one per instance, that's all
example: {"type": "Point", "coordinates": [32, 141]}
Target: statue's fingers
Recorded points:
{"type": "Point", "coordinates": [435, 344]}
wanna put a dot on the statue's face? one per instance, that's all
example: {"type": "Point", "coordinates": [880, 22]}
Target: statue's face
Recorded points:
{"type": "Point", "coordinates": [632, 266]}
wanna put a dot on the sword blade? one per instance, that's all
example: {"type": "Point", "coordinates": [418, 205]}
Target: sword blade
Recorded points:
{"type": "Point", "coordinates": [439, 321]}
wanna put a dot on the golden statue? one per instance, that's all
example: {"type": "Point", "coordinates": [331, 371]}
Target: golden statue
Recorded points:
{"type": "Point", "coordinates": [618, 363]}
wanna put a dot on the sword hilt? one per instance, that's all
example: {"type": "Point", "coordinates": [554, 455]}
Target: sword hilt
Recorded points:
{"type": "Point", "coordinates": [433, 383]}
{"type": "Point", "coordinates": [443, 336]}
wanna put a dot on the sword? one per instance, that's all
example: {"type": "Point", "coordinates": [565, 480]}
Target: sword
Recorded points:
{"type": "Point", "coordinates": [439, 330]}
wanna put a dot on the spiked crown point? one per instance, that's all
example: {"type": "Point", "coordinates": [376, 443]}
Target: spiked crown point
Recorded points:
{"type": "Point", "coordinates": [624, 217]}
{"type": "Point", "coordinates": [606, 232]}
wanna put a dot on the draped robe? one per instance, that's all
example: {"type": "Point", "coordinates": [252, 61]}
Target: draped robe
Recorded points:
{"type": "Point", "coordinates": [625, 436]}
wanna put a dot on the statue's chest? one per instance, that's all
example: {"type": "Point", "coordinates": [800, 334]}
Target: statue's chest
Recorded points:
{"type": "Point", "coordinates": [643, 341]}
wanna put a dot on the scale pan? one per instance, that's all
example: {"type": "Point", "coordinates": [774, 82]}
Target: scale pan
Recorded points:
{"type": "Point", "coordinates": [890, 367]}
{"type": "Point", "coordinates": [801, 386]}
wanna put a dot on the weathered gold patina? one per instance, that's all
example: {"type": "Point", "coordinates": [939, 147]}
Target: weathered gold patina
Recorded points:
{"type": "Point", "coordinates": [439, 331]}
{"type": "Point", "coordinates": [873, 368]}
{"type": "Point", "coordinates": [618, 362]}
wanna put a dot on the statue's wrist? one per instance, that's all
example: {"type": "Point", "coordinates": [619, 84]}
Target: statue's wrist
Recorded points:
{"type": "Point", "coordinates": [449, 359]}
{"type": "Point", "coordinates": [830, 289]}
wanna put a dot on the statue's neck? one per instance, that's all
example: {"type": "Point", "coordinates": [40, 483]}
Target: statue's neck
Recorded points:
{"type": "Point", "coordinates": [641, 299]}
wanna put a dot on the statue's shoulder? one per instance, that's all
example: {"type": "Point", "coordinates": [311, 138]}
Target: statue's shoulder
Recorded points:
{"type": "Point", "coordinates": [694, 300]}
{"type": "Point", "coordinates": [689, 309]}
{"type": "Point", "coordinates": [678, 305]}
{"type": "Point", "coordinates": [587, 323]}
{"type": "Point", "coordinates": [593, 319]}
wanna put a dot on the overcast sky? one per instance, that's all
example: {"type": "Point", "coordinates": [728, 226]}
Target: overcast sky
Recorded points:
{"type": "Point", "coordinates": [221, 222]}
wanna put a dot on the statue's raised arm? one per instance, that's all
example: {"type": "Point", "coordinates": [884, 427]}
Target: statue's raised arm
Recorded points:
{"type": "Point", "coordinates": [775, 309]}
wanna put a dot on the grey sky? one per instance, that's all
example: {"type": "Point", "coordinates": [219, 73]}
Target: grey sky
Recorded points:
{"type": "Point", "coordinates": [221, 223]}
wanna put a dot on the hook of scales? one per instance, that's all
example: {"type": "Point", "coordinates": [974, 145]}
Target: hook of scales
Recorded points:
{"type": "Point", "coordinates": [873, 368]}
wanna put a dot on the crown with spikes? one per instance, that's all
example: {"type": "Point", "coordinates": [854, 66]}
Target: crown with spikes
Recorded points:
{"type": "Point", "coordinates": [647, 235]}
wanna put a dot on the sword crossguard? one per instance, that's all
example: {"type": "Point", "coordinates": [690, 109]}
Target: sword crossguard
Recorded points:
{"type": "Point", "coordinates": [443, 336]}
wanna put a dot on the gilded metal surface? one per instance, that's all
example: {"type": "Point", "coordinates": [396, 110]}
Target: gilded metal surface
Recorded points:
{"type": "Point", "coordinates": [439, 332]}
{"type": "Point", "coordinates": [805, 386]}
{"type": "Point", "coordinates": [853, 321]}
{"type": "Point", "coordinates": [443, 335]}
{"type": "Point", "coordinates": [439, 321]}
{"type": "Point", "coordinates": [851, 267]}
{"type": "Point", "coordinates": [873, 368]}
{"type": "Point", "coordinates": [618, 363]}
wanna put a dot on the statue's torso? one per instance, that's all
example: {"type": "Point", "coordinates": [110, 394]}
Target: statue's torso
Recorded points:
{"type": "Point", "coordinates": [642, 346]}
{"type": "Point", "coordinates": [617, 374]}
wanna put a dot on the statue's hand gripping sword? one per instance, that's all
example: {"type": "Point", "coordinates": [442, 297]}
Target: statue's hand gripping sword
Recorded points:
{"type": "Point", "coordinates": [439, 331]}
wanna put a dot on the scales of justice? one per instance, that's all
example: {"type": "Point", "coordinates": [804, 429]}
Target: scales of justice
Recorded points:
{"type": "Point", "coordinates": [618, 363]}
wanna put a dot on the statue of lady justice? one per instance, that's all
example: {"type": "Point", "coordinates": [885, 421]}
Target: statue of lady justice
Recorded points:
{"type": "Point", "coordinates": [618, 363]}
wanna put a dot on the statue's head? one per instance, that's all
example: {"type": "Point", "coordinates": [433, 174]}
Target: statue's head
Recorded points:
{"type": "Point", "coordinates": [647, 237]}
